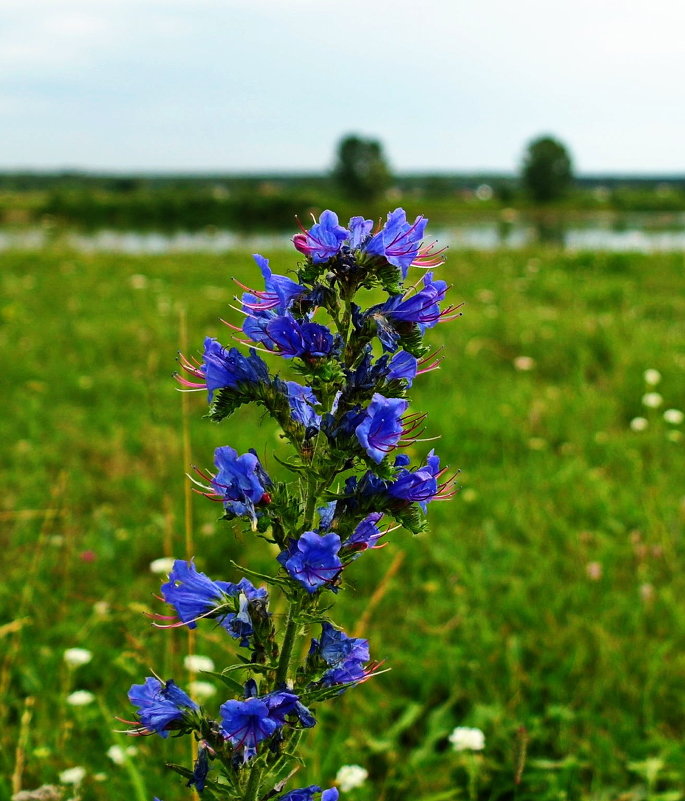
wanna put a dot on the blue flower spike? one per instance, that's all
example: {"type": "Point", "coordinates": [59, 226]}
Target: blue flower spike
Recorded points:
{"type": "Point", "coordinates": [333, 371]}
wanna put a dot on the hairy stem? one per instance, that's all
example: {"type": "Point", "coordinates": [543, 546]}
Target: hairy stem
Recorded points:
{"type": "Point", "coordinates": [252, 789]}
{"type": "Point", "coordinates": [289, 638]}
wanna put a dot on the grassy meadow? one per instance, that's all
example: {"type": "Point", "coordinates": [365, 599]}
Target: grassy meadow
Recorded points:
{"type": "Point", "coordinates": [544, 607]}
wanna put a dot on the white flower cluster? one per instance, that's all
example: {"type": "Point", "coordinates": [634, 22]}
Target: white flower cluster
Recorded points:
{"type": "Point", "coordinates": [351, 776]}
{"type": "Point", "coordinates": [464, 738]}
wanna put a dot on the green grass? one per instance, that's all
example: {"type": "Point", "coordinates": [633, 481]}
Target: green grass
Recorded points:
{"type": "Point", "coordinates": [493, 619]}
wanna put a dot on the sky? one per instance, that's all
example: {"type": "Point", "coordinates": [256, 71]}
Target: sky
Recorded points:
{"type": "Point", "coordinates": [272, 85]}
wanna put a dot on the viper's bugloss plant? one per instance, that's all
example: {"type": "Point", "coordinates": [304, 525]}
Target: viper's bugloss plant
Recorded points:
{"type": "Point", "coordinates": [346, 418]}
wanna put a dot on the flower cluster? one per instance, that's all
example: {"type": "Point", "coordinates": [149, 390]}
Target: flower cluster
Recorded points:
{"type": "Point", "coordinates": [340, 401]}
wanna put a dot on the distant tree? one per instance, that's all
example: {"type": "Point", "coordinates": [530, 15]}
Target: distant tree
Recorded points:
{"type": "Point", "coordinates": [547, 172]}
{"type": "Point", "coordinates": [361, 170]}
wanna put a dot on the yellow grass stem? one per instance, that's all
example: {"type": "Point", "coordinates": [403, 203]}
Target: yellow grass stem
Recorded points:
{"type": "Point", "coordinates": [379, 594]}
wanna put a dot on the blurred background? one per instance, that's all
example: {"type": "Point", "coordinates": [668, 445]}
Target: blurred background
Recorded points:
{"type": "Point", "coordinates": [148, 149]}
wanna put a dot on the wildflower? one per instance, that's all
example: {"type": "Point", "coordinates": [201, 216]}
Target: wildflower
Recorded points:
{"type": "Point", "coordinates": [323, 240]}
{"type": "Point", "coordinates": [639, 423]}
{"type": "Point", "coordinates": [308, 793]}
{"type": "Point", "coordinates": [381, 427]}
{"type": "Point", "coordinates": [366, 534]}
{"type": "Point", "coordinates": [420, 485]}
{"type": "Point", "coordinates": [198, 664]}
{"type": "Point", "coordinates": [279, 291]}
{"type": "Point", "coordinates": [289, 338]}
{"type": "Point", "coordinates": [202, 690]}
{"type": "Point", "coordinates": [80, 698]}
{"type": "Point", "coordinates": [200, 769]}
{"type": "Point", "coordinates": [403, 366]}
{"type": "Point", "coordinates": [73, 775]}
{"type": "Point", "coordinates": [240, 483]}
{"type": "Point", "coordinates": [674, 416]}
{"type": "Point", "coordinates": [345, 656]}
{"type": "Point", "coordinates": [246, 723]}
{"type": "Point", "coordinates": [281, 704]}
{"type": "Point", "coordinates": [400, 242]}
{"type": "Point", "coordinates": [118, 755]}
{"type": "Point", "coordinates": [193, 594]}
{"type": "Point", "coordinates": [349, 777]}
{"type": "Point", "coordinates": [652, 377]}
{"type": "Point", "coordinates": [302, 402]}
{"type": "Point", "coordinates": [223, 368]}
{"type": "Point", "coordinates": [594, 570]}
{"type": "Point", "coordinates": [464, 738]}
{"type": "Point", "coordinates": [161, 706]}
{"type": "Point", "coordinates": [336, 647]}
{"type": "Point", "coordinates": [312, 560]}
{"type": "Point", "coordinates": [646, 592]}
{"type": "Point", "coordinates": [524, 363]}
{"type": "Point", "coordinates": [162, 566]}
{"type": "Point", "coordinates": [75, 657]}
{"type": "Point", "coordinates": [421, 308]}
{"type": "Point", "coordinates": [652, 400]}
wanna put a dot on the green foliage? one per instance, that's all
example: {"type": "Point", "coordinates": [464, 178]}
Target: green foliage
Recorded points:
{"type": "Point", "coordinates": [503, 593]}
{"type": "Point", "coordinates": [546, 173]}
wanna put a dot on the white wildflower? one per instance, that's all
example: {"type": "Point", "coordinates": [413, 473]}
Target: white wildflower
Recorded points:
{"type": "Point", "coordinates": [652, 400]}
{"type": "Point", "coordinates": [351, 776]}
{"type": "Point", "coordinates": [594, 570]}
{"type": "Point", "coordinates": [674, 416]}
{"type": "Point", "coordinates": [73, 775]}
{"type": "Point", "coordinates": [198, 664]}
{"type": "Point", "coordinates": [80, 698]}
{"type": "Point", "coordinates": [652, 377]}
{"type": "Point", "coordinates": [464, 738]}
{"type": "Point", "coordinates": [118, 754]}
{"type": "Point", "coordinates": [201, 690]}
{"type": "Point", "coordinates": [162, 566]}
{"type": "Point", "coordinates": [639, 423]}
{"type": "Point", "coordinates": [74, 657]}
{"type": "Point", "coordinates": [524, 363]}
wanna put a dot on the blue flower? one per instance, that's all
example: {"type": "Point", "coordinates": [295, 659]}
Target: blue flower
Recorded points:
{"type": "Point", "coordinates": [240, 483]}
{"type": "Point", "coordinates": [223, 368]}
{"type": "Point", "coordinates": [330, 795]}
{"type": "Point", "coordinates": [302, 402]}
{"type": "Point", "coordinates": [289, 338]}
{"type": "Point", "coordinates": [239, 624]}
{"type": "Point", "coordinates": [279, 291]}
{"type": "Point", "coordinates": [345, 656]}
{"type": "Point", "coordinates": [193, 594]}
{"type": "Point", "coordinates": [326, 515]}
{"type": "Point", "coordinates": [200, 769]}
{"type": "Point", "coordinates": [351, 672]}
{"type": "Point", "coordinates": [398, 241]}
{"type": "Point", "coordinates": [421, 308]}
{"type": "Point", "coordinates": [359, 233]}
{"type": "Point", "coordinates": [312, 560]}
{"type": "Point", "coordinates": [281, 704]}
{"type": "Point", "coordinates": [161, 706]}
{"type": "Point", "coordinates": [303, 794]}
{"type": "Point", "coordinates": [420, 485]}
{"type": "Point", "coordinates": [323, 240]}
{"type": "Point", "coordinates": [365, 535]}
{"type": "Point", "coordinates": [381, 427]}
{"type": "Point", "coordinates": [337, 648]}
{"type": "Point", "coordinates": [247, 723]}
{"type": "Point", "coordinates": [403, 366]}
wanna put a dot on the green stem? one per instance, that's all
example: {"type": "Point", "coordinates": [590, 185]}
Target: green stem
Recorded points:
{"type": "Point", "coordinates": [252, 789]}
{"type": "Point", "coordinates": [289, 638]}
